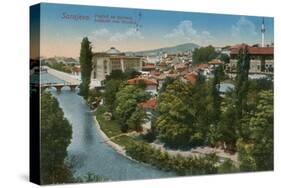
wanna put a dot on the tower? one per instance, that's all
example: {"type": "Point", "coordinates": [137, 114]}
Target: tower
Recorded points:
{"type": "Point", "coordinates": [262, 33]}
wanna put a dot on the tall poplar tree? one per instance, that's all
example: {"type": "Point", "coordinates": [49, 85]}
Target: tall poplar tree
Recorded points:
{"type": "Point", "coordinates": [86, 66]}
{"type": "Point", "coordinates": [241, 87]}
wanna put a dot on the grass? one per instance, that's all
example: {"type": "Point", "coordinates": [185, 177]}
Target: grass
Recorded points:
{"type": "Point", "coordinates": [109, 127]}
{"type": "Point", "coordinates": [124, 140]}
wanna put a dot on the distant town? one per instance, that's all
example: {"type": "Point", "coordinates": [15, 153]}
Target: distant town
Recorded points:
{"type": "Point", "coordinates": [156, 65]}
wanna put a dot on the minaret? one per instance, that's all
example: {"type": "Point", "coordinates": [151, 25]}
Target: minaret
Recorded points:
{"type": "Point", "coordinates": [262, 33]}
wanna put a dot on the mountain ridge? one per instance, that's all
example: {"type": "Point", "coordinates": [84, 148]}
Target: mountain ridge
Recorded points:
{"type": "Point", "coordinates": [172, 49]}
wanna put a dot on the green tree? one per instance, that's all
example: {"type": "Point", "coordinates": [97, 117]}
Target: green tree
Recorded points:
{"type": "Point", "coordinates": [127, 99]}
{"type": "Point", "coordinates": [216, 100]}
{"type": "Point", "coordinates": [241, 84]}
{"type": "Point", "coordinates": [259, 143]}
{"type": "Point", "coordinates": [175, 122]}
{"type": "Point", "coordinates": [246, 159]}
{"type": "Point", "coordinates": [109, 95]}
{"type": "Point", "coordinates": [94, 96]}
{"type": "Point", "coordinates": [204, 55]}
{"type": "Point", "coordinates": [137, 118]}
{"type": "Point", "coordinates": [86, 66]}
{"type": "Point", "coordinates": [224, 57]}
{"type": "Point", "coordinates": [167, 81]}
{"type": "Point", "coordinates": [115, 75]}
{"type": "Point", "coordinates": [262, 124]}
{"type": "Point", "coordinates": [55, 137]}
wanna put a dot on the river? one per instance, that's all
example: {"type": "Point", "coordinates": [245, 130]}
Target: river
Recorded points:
{"type": "Point", "coordinates": [87, 149]}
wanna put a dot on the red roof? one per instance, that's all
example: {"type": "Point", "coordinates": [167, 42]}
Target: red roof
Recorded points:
{"type": "Point", "coordinates": [203, 66]}
{"type": "Point", "coordinates": [191, 77]}
{"type": "Point", "coordinates": [150, 104]}
{"type": "Point", "coordinates": [144, 80]}
{"type": "Point", "coordinates": [215, 62]}
{"type": "Point", "coordinates": [155, 73]}
{"type": "Point", "coordinates": [252, 50]}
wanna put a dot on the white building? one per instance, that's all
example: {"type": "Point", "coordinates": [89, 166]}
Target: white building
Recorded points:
{"type": "Point", "coordinates": [105, 62]}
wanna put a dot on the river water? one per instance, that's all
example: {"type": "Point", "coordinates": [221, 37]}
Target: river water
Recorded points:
{"type": "Point", "coordinates": [87, 150]}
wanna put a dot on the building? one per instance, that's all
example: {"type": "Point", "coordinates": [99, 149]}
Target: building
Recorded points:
{"type": "Point", "coordinates": [261, 58]}
{"type": "Point", "coordinates": [151, 85]}
{"type": "Point", "coordinates": [105, 62]}
{"type": "Point", "coordinates": [149, 106]}
{"type": "Point", "coordinates": [190, 78]}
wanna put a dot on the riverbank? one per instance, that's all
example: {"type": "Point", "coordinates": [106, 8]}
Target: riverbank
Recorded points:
{"type": "Point", "coordinates": [119, 149]}
{"type": "Point", "coordinates": [197, 161]}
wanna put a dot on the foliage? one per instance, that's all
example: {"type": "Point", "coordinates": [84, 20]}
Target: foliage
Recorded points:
{"type": "Point", "coordinates": [109, 127]}
{"type": "Point", "coordinates": [167, 81]}
{"type": "Point", "coordinates": [216, 99]}
{"type": "Point", "coordinates": [119, 75]}
{"type": "Point", "coordinates": [247, 162]}
{"type": "Point", "coordinates": [111, 88]}
{"type": "Point", "coordinates": [175, 122]}
{"type": "Point", "coordinates": [94, 95]}
{"type": "Point", "coordinates": [204, 55]}
{"type": "Point", "coordinates": [115, 75]}
{"type": "Point", "coordinates": [86, 66]}
{"type": "Point", "coordinates": [228, 167]}
{"type": "Point", "coordinates": [241, 84]}
{"type": "Point", "coordinates": [126, 111]}
{"type": "Point", "coordinates": [224, 57]}
{"type": "Point", "coordinates": [260, 137]}
{"type": "Point", "coordinates": [60, 67]}
{"type": "Point", "coordinates": [181, 165]}
{"type": "Point", "coordinates": [55, 137]}
{"type": "Point", "coordinates": [137, 118]}
{"type": "Point", "coordinates": [131, 73]}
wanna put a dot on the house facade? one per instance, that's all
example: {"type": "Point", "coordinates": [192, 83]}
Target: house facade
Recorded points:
{"type": "Point", "coordinates": [261, 59]}
{"type": "Point", "coordinates": [105, 62]}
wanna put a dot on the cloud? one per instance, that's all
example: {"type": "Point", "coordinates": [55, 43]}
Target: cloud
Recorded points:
{"type": "Point", "coordinates": [101, 33]}
{"type": "Point", "coordinates": [111, 36]}
{"type": "Point", "coordinates": [185, 30]}
{"type": "Point", "coordinates": [243, 28]}
{"type": "Point", "coordinates": [131, 33]}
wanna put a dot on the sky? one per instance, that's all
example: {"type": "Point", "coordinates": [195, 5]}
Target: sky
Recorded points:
{"type": "Point", "coordinates": [64, 26]}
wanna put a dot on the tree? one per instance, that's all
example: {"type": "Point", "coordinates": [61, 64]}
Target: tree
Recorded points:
{"type": "Point", "coordinates": [137, 118]}
{"type": "Point", "coordinates": [204, 55]}
{"type": "Point", "coordinates": [115, 75]}
{"type": "Point", "coordinates": [167, 81]}
{"type": "Point", "coordinates": [175, 123]}
{"type": "Point", "coordinates": [257, 147]}
{"type": "Point", "coordinates": [94, 97]}
{"type": "Point", "coordinates": [224, 57]}
{"type": "Point", "coordinates": [262, 124]}
{"type": "Point", "coordinates": [246, 159]}
{"type": "Point", "coordinates": [216, 100]}
{"type": "Point", "coordinates": [86, 66]}
{"type": "Point", "coordinates": [241, 84]}
{"type": "Point", "coordinates": [109, 95]}
{"type": "Point", "coordinates": [126, 109]}
{"type": "Point", "coordinates": [55, 137]}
